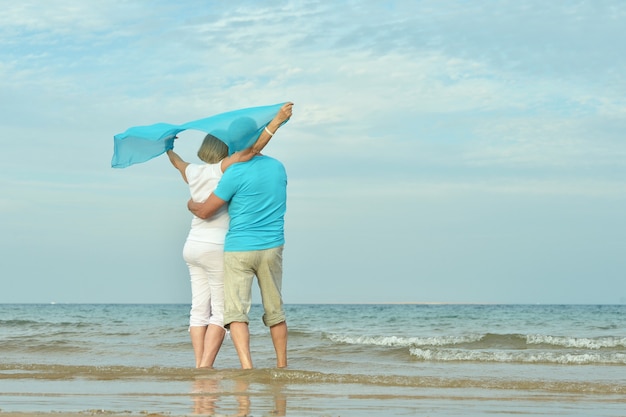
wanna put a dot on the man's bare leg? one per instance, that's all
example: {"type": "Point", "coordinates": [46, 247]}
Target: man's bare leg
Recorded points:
{"type": "Point", "coordinates": [241, 339]}
{"type": "Point", "coordinates": [197, 334]}
{"type": "Point", "coordinates": [279, 338]}
{"type": "Point", "coordinates": [212, 342]}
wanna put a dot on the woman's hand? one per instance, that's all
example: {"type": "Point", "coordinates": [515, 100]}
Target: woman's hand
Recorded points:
{"type": "Point", "coordinates": [284, 113]}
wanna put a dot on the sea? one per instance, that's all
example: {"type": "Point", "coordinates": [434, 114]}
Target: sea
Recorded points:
{"type": "Point", "coordinates": [344, 360]}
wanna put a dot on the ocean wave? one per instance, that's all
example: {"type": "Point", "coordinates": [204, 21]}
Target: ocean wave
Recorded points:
{"type": "Point", "coordinates": [501, 348]}
{"type": "Point", "coordinates": [486, 341]}
{"type": "Point", "coordinates": [577, 342]}
{"type": "Point", "coordinates": [39, 346]}
{"type": "Point", "coordinates": [507, 356]}
{"type": "Point", "coordinates": [395, 341]}
{"type": "Point", "coordinates": [20, 324]}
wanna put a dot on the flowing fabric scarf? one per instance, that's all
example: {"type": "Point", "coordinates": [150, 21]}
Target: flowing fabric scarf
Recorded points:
{"type": "Point", "coordinates": [238, 129]}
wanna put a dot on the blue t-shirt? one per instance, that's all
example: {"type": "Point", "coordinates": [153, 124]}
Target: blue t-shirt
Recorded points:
{"type": "Point", "coordinates": [256, 192]}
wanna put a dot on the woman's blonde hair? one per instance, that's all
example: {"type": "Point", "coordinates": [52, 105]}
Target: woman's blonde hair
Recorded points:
{"type": "Point", "coordinates": [212, 150]}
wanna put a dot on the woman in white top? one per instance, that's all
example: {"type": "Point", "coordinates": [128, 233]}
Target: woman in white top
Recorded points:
{"type": "Point", "coordinates": [204, 248]}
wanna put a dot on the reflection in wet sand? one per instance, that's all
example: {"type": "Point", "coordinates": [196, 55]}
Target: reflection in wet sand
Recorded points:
{"type": "Point", "coordinates": [212, 396]}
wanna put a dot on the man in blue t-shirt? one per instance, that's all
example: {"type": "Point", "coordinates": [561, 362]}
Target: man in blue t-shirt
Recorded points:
{"type": "Point", "coordinates": [256, 193]}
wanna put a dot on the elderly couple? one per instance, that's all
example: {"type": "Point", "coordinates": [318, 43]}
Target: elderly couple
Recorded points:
{"type": "Point", "coordinates": [239, 203]}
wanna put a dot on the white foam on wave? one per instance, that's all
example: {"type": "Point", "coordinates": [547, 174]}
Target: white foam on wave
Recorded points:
{"type": "Point", "coordinates": [395, 341]}
{"type": "Point", "coordinates": [577, 342]}
{"type": "Point", "coordinates": [500, 356]}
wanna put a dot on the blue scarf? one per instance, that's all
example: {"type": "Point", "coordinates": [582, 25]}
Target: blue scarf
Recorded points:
{"type": "Point", "coordinates": [238, 129]}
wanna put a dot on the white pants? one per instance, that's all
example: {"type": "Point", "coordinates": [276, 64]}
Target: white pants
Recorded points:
{"type": "Point", "coordinates": [206, 269]}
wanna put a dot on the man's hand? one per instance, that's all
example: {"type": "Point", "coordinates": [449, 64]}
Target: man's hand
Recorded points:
{"type": "Point", "coordinates": [206, 209]}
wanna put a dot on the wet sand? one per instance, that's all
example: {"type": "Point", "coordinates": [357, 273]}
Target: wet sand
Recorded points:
{"type": "Point", "coordinates": [266, 393]}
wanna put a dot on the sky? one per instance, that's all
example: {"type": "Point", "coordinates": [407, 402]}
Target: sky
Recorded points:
{"type": "Point", "coordinates": [439, 151]}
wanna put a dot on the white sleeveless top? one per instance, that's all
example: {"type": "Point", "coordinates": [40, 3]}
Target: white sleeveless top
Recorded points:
{"type": "Point", "coordinates": [202, 180]}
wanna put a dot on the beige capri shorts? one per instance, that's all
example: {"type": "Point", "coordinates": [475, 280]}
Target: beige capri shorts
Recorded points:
{"type": "Point", "coordinates": [240, 268]}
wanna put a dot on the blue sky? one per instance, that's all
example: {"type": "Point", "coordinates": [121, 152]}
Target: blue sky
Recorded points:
{"type": "Point", "coordinates": [440, 151]}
